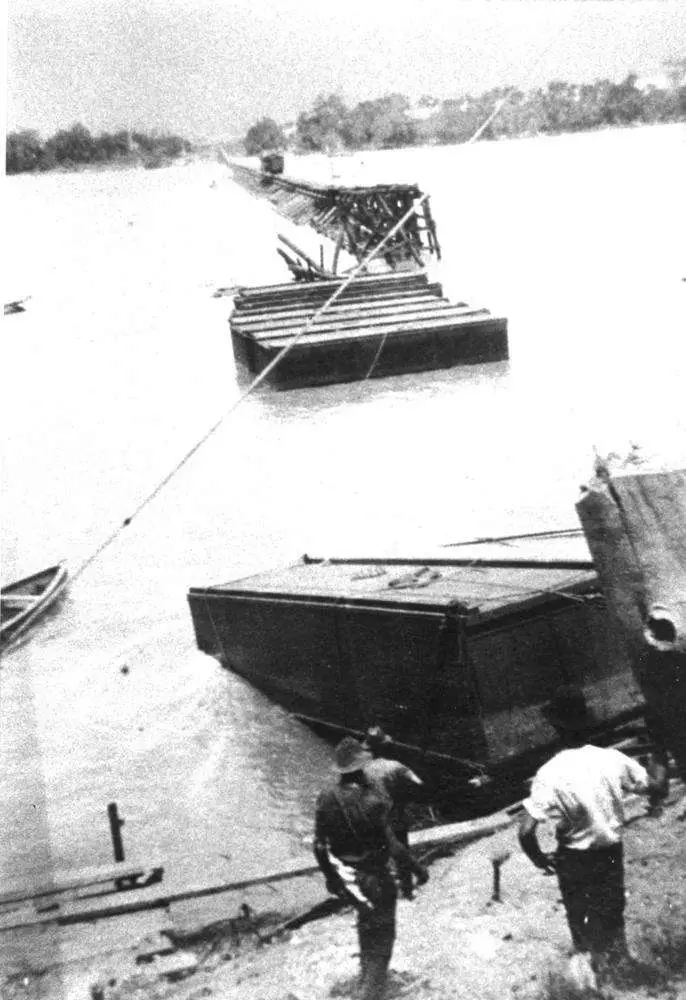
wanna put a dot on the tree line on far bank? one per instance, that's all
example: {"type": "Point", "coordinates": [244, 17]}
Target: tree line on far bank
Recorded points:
{"type": "Point", "coordinates": [76, 147]}
{"type": "Point", "coordinates": [389, 122]}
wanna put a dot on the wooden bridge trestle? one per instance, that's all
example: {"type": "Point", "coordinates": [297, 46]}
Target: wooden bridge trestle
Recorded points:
{"type": "Point", "coordinates": [356, 219]}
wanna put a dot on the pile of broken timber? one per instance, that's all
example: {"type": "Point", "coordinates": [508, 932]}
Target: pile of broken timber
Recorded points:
{"type": "Point", "coordinates": [356, 218]}
{"type": "Point", "coordinates": [16, 306]}
{"type": "Point", "coordinates": [381, 325]}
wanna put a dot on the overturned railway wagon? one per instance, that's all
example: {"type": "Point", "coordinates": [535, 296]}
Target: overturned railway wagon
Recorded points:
{"type": "Point", "coordinates": [453, 657]}
{"type": "Point", "coordinates": [380, 325]}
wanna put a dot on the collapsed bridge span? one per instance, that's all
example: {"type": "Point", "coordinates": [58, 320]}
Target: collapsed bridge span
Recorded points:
{"type": "Point", "coordinates": [387, 319]}
{"type": "Point", "coordinates": [357, 218]}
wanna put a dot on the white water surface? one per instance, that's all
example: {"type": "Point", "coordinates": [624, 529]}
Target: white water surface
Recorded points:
{"type": "Point", "coordinates": [123, 360]}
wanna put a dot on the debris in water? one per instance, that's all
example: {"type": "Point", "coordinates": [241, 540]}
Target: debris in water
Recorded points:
{"type": "Point", "coordinates": [16, 306]}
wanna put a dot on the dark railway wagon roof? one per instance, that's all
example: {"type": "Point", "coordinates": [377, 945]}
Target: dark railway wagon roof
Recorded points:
{"type": "Point", "coordinates": [499, 584]}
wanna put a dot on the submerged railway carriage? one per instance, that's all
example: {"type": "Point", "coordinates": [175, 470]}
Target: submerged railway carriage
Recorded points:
{"type": "Point", "coordinates": [454, 658]}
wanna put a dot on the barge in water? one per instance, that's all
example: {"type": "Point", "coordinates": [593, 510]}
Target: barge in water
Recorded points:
{"type": "Point", "coordinates": [454, 657]}
{"type": "Point", "coordinates": [388, 324]}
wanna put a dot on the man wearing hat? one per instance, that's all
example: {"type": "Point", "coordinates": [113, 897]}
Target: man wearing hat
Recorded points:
{"type": "Point", "coordinates": [582, 790]}
{"type": "Point", "coordinates": [353, 845]}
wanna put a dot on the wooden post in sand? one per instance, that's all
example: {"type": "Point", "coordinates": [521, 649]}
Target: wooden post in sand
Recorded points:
{"type": "Point", "coordinates": [634, 519]}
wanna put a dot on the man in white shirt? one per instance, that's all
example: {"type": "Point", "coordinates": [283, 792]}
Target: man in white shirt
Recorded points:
{"type": "Point", "coordinates": [582, 789]}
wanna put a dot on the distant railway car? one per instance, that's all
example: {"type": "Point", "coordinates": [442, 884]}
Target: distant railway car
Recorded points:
{"type": "Point", "coordinates": [271, 163]}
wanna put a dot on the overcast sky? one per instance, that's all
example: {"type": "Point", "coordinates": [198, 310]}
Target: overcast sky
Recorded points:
{"type": "Point", "coordinates": [207, 68]}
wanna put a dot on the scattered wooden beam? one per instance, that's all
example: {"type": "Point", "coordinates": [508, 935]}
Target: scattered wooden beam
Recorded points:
{"type": "Point", "coordinates": [298, 270]}
{"type": "Point", "coordinates": [83, 912]}
{"type": "Point", "coordinates": [319, 272]}
{"type": "Point", "coordinates": [16, 306]}
{"type": "Point", "coordinates": [120, 876]}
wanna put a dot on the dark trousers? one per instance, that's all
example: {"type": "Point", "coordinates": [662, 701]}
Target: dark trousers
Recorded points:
{"type": "Point", "coordinates": [592, 887]}
{"type": "Point", "coordinates": [376, 932]}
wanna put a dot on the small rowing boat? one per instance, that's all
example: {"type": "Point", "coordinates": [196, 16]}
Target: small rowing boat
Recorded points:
{"type": "Point", "coordinates": [22, 603]}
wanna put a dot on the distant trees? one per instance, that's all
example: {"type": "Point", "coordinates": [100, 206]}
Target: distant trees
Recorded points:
{"type": "Point", "coordinates": [113, 145]}
{"type": "Point", "coordinates": [153, 149]}
{"type": "Point", "coordinates": [76, 147]}
{"type": "Point", "coordinates": [624, 103]}
{"type": "Point", "coordinates": [325, 126]}
{"type": "Point", "coordinates": [72, 146]}
{"type": "Point", "coordinates": [389, 121]}
{"type": "Point", "coordinates": [23, 152]}
{"type": "Point", "coordinates": [264, 134]}
{"type": "Point", "coordinates": [376, 124]}
{"type": "Point", "coordinates": [384, 123]}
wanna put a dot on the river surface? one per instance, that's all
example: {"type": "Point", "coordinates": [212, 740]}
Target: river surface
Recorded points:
{"type": "Point", "coordinates": [122, 361]}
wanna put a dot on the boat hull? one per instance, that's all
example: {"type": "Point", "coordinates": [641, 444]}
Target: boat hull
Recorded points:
{"type": "Point", "coordinates": [24, 602]}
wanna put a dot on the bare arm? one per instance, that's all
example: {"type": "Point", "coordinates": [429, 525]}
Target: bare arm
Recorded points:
{"type": "Point", "coordinates": [529, 844]}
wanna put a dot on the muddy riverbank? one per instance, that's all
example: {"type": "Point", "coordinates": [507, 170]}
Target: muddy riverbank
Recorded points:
{"type": "Point", "coordinates": [453, 940]}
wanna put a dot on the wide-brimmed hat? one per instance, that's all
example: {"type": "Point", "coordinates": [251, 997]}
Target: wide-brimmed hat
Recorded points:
{"type": "Point", "coordinates": [568, 710]}
{"type": "Point", "coordinates": [351, 756]}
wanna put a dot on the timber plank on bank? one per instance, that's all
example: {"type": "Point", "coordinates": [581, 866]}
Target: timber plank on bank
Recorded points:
{"type": "Point", "coordinates": [88, 911]}
{"type": "Point", "coordinates": [88, 878]}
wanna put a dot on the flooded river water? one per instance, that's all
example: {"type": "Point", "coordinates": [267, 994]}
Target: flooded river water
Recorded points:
{"type": "Point", "coordinates": [123, 360]}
